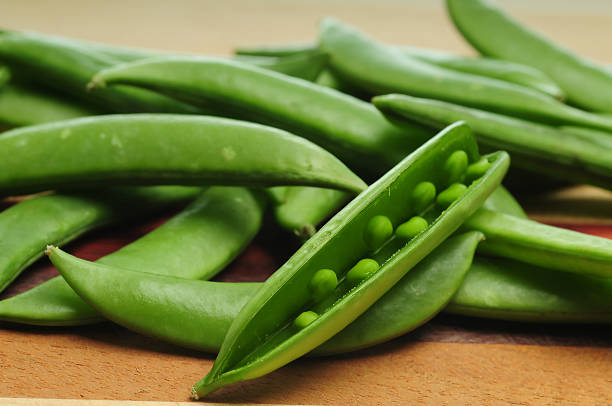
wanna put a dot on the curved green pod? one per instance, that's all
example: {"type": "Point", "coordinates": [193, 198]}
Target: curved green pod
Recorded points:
{"type": "Point", "coordinates": [262, 337]}
{"type": "Point", "coordinates": [536, 147]}
{"type": "Point", "coordinates": [65, 66]}
{"type": "Point", "coordinates": [195, 244]}
{"type": "Point", "coordinates": [505, 289]}
{"type": "Point", "coordinates": [197, 314]}
{"type": "Point", "coordinates": [28, 226]}
{"type": "Point", "coordinates": [302, 208]}
{"type": "Point", "coordinates": [163, 149]}
{"type": "Point", "coordinates": [507, 71]}
{"type": "Point", "coordinates": [542, 245]}
{"type": "Point", "coordinates": [349, 128]}
{"type": "Point", "coordinates": [304, 66]}
{"type": "Point", "coordinates": [381, 69]}
{"type": "Point", "coordinates": [496, 34]}
{"type": "Point", "coordinates": [21, 106]}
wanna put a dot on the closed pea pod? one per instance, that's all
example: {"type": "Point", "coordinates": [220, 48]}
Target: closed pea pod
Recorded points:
{"type": "Point", "coordinates": [197, 314]}
{"type": "Point", "coordinates": [535, 147]}
{"type": "Point", "coordinates": [381, 69]}
{"type": "Point", "coordinates": [196, 243]}
{"type": "Point", "coordinates": [498, 35]}
{"type": "Point", "coordinates": [163, 149]}
{"type": "Point", "coordinates": [28, 226]}
{"type": "Point", "coordinates": [339, 245]}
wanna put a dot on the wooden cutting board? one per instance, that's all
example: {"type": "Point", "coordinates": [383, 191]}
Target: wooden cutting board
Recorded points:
{"type": "Point", "coordinates": [451, 360]}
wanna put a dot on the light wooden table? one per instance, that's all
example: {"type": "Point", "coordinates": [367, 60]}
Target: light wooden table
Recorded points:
{"type": "Point", "coordinates": [449, 361]}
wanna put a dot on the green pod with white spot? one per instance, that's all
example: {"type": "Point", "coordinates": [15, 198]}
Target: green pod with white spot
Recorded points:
{"type": "Point", "coordinates": [145, 149]}
{"type": "Point", "coordinates": [348, 127]}
{"type": "Point", "coordinates": [261, 338]}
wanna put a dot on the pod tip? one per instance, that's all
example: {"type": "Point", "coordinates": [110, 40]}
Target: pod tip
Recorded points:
{"type": "Point", "coordinates": [49, 249]}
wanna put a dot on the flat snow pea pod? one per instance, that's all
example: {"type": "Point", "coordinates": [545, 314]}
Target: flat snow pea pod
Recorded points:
{"type": "Point", "coordinates": [535, 147]}
{"type": "Point", "coordinates": [263, 337]}
{"type": "Point", "coordinates": [506, 289]}
{"type": "Point", "coordinates": [67, 67]}
{"type": "Point", "coordinates": [20, 106]}
{"type": "Point", "coordinates": [197, 314]}
{"type": "Point", "coordinates": [496, 34]}
{"type": "Point", "coordinates": [539, 244]}
{"type": "Point", "coordinates": [28, 226]}
{"type": "Point", "coordinates": [381, 69]}
{"type": "Point", "coordinates": [195, 244]}
{"type": "Point", "coordinates": [348, 127]}
{"type": "Point", "coordinates": [163, 149]}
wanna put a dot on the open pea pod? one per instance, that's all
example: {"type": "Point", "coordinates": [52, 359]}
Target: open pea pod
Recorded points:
{"type": "Point", "coordinates": [314, 294]}
{"type": "Point", "coordinates": [145, 149]}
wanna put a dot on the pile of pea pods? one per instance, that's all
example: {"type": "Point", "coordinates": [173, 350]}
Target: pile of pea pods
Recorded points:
{"type": "Point", "coordinates": [385, 160]}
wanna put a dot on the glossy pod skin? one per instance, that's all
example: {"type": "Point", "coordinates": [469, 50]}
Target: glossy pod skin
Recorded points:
{"type": "Point", "coordinates": [65, 66]}
{"type": "Point", "coordinates": [500, 288]}
{"type": "Point", "coordinates": [496, 34]}
{"type": "Point", "coordinates": [197, 314]}
{"type": "Point", "coordinates": [533, 146]}
{"type": "Point", "coordinates": [28, 226]}
{"type": "Point", "coordinates": [381, 69]}
{"type": "Point", "coordinates": [195, 244]}
{"type": "Point", "coordinates": [507, 71]}
{"type": "Point", "coordinates": [543, 245]}
{"type": "Point", "coordinates": [300, 209]}
{"type": "Point", "coordinates": [17, 104]}
{"type": "Point", "coordinates": [247, 353]}
{"type": "Point", "coordinates": [163, 149]}
{"type": "Point", "coordinates": [350, 128]}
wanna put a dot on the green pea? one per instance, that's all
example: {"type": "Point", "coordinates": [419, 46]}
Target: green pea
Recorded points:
{"type": "Point", "coordinates": [304, 319]}
{"type": "Point", "coordinates": [450, 194]}
{"type": "Point", "coordinates": [422, 195]}
{"type": "Point", "coordinates": [477, 169]}
{"type": "Point", "coordinates": [377, 231]}
{"type": "Point", "coordinates": [411, 228]}
{"type": "Point", "coordinates": [322, 283]}
{"type": "Point", "coordinates": [455, 166]}
{"type": "Point", "coordinates": [362, 270]}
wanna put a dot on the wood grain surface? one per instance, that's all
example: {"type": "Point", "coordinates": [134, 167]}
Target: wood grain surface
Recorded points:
{"type": "Point", "coordinates": [451, 360]}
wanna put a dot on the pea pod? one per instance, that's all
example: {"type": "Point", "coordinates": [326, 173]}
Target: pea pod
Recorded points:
{"type": "Point", "coordinates": [20, 106]}
{"type": "Point", "coordinates": [162, 149]}
{"type": "Point", "coordinates": [60, 64]}
{"type": "Point", "coordinates": [507, 71]}
{"type": "Point", "coordinates": [494, 33]}
{"type": "Point", "coordinates": [264, 336]}
{"type": "Point", "coordinates": [350, 128]}
{"type": "Point", "coordinates": [505, 289]}
{"type": "Point", "coordinates": [196, 243]}
{"type": "Point", "coordinates": [5, 75]}
{"type": "Point", "coordinates": [533, 146]}
{"type": "Point", "coordinates": [380, 69]}
{"type": "Point", "coordinates": [197, 314]}
{"type": "Point", "coordinates": [27, 227]}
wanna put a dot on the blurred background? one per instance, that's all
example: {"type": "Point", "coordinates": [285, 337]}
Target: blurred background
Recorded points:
{"type": "Point", "coordinates": [216, 27]}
